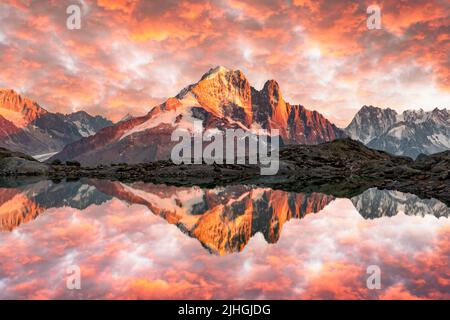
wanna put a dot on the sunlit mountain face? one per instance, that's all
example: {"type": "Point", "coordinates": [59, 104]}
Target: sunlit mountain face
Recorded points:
{"type": "Point", "coordinates": [163, 242]}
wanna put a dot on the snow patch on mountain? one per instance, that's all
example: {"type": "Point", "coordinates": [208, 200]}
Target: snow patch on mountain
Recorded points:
{"type": "Point", "coordinates": [398, 132]}
{"type": "Point", "coordinates": [441, 140]}
{"type": "Point", "coordinates": [45, 156]}
{"type": "Point", "coordinates": [181, 117]}
{"type": "Point", "coordinates": [84, 130]}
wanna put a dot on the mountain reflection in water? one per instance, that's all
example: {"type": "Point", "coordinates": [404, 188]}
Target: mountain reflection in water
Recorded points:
{"type": "Point", "coordinates": [115, 233]}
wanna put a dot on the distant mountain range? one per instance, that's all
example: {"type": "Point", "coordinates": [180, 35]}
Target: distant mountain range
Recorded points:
{"type": "Point", "coordinates": [221, 99]}
{"type": "Point", "coordinates": [27, 127]}
{"type": "Point", "coordinates": [410, 133]}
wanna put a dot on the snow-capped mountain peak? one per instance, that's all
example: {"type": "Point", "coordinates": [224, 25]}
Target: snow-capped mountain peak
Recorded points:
{"type": "Point", "coordinates": [221, 99]}
{"type": "Point", "coordinates": [222, 92]}
{"type": "Point", "coordinates": [219, 71]}
{"type": "Point", "coordinates": [370, 122]}
{"type": "Point", "coordinates": [410, 133]}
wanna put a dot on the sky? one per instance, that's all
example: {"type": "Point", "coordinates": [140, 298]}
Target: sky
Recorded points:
{"type": "Point", "coordinates": [131, 55]}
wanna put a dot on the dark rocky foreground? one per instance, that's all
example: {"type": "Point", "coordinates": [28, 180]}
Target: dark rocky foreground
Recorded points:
{"type": "Point", "coordinates": [341, 168]}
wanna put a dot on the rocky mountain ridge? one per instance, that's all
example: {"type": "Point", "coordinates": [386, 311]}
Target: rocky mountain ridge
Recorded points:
{"type": "Point", "coordinates": [410, 133]}
{"type": "Point", "coordinates": [221, 99]}
{"type": "Point", "coordinates": [27, 127]}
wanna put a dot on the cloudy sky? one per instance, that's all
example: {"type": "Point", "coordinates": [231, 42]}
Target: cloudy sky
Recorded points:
{"type": "Point", "coordinates": [130, 55]}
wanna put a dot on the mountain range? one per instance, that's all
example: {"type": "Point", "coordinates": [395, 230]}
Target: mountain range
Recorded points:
{"type": "Point", "coordinates": [410, 133]}
{"type": "Point", "coordinates": [221, 99]}
{"type": "Point", "coordinates": [27, 127]}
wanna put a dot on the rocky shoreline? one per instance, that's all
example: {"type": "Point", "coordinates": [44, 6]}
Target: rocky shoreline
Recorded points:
{"type": "Point", "coordinates": [341, 168]}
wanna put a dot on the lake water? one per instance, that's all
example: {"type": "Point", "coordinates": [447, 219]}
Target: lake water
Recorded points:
{"type": "Point", "coordinates": [149, 241]}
